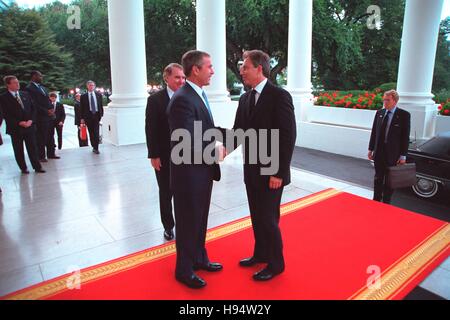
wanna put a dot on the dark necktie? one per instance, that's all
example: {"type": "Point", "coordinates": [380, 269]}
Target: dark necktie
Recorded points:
{"type": "Point", "coordinates": [93, 108]}
{"type": "Point", "coordinates": [19, 100]}
{"type": "Point", "coordinates": [384, 127]}
{"type": "Point", "coordinates": [251, 105]}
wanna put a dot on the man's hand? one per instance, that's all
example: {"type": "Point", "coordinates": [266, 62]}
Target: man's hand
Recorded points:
{"type": "Point", "coordinates": [61, 124]}
{"type": "Point", "coordinates": [401, 161]}
{"type": "Point", "coordinates": [23, 124]}
{"type": "Point", "coordinates": [82, 121]}
{"type": "Point", "coordinates": [275, 183]}
{"type": "Point", "coordinates": [222, 151]}
{"type": "Point", "coordinates": [51, 112]}
{"type": "Point", "coordinates": [370, 155]}
{"type": "Point", "coordinates": [156, 163]}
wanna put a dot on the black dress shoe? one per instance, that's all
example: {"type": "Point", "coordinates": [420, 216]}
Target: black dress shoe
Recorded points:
{"type": "Point", "coordinates": [168, 234]}
{"type": "Point", "coordinates": [265, 274]}
{"type": "Point", "coordinates": [25, 171]}
{"type": "Point", "coordinates": [211, 267]}
{"type": "Point", "coordinates": [248, 262]}
{"type": "Point", "coordinates": [40, 170]}
{"type": "Point", "coordinates": [96, 151]}
{"type": "Point", "coordinates": [54, 157]}
{"type": "Point", "coordinates": [194, 281]}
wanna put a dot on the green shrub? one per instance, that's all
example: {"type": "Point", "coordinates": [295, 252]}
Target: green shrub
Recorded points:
{"type": "Point", "coordinates": [442, 96]}
{"type": "Point", "coordinates": [386, 87]}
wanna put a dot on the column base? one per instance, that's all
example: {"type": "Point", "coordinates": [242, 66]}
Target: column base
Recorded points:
{"type": "Point", "coordinates": [416, 98]}
{"type": "Point", "coordinates": [303, 100]}
{"type": "Point", "coordinates": [423, 119]}
{"type": "Point", "coordinates": [124, 126]}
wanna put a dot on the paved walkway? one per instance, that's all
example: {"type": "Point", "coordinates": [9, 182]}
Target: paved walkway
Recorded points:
{"type": "Point", "coordinates": [88, 209]}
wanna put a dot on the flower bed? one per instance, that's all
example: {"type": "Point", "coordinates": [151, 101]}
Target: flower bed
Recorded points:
{"type": "Point", "coordinates": [364, 101]}
{"type": "Point", "coordinates": [444, 108]}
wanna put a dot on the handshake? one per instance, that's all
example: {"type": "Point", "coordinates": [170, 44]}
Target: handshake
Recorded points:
{"type": "Point", "coordinates": [221, 151]}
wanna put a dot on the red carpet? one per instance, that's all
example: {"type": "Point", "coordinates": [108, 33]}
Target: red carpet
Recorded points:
{"type": "Point", "coordinates": [330, 240]}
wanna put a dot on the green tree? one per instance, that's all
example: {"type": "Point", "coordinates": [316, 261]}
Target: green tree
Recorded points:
{"type": "Point", "coordinates": [257, 24]}
{"type": "Point", "coordinates": [349, 55]}
{"type": "Point", "coordinates": [26, 44]}
{"type": "Point", "coordinates": [441, 78]}
{"type": "Point", "coordinates": [169, 32]}
{"type": "Point", "coordinates": [89, 45]}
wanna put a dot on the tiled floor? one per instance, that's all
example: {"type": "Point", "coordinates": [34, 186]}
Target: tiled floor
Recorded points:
{"type": "Point", "coordinates": [89, 209]}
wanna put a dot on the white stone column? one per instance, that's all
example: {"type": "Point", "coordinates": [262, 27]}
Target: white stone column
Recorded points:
{"type": "Point", "coordinates": [211, 38]}
{"type": "Point", "coordinates": [124, 120]}
{"type": "Point", "coordinates": [417, 58]}
{"type": "Point", "coordinates": [299, 57]}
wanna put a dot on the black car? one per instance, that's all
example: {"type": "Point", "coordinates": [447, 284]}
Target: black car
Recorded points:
{"type": "Point", "coordinates": [432, 159]}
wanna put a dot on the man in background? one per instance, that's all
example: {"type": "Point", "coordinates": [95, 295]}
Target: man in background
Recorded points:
{"type": "Point", "coordinates": [158, 141]}
{"type": "Point", "coordinates": [19, 113]}
{"type": "Point", "coordinates": [389, 142]}
{"type": "Point", "coordinates": [91, 105]}
{"type": "Point", "coordinates": [58, 123]}
{"type": "Point", "coordinates": [44, 118]}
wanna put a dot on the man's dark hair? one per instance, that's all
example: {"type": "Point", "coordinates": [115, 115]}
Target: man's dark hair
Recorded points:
{"type": "Point", "coordinates": [259, 58]}
{"type": "Point", "coordinates": [34, 73]}
{"type": "Point", "coordinates": [192, 58]}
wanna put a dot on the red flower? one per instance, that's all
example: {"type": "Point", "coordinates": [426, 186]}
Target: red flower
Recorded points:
{"type": "Point", "coordinates": [440, 107]}
{"type": "Point", "coordinates": [447, 111]}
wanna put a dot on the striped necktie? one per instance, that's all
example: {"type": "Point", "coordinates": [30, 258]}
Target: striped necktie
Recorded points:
{"type": "Point", "coordinates": [19, 100]}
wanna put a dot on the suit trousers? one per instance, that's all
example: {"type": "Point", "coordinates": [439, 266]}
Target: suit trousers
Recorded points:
{"type": "Point", "coordinates": [191, 216]}
{"type": "Point", "coordinates": [165, 194]}
{"type": "Point", "coordinates": [93, 125]}
{"type": "Point", "coordinates": [59, 132]}
{"type": "Point", "coordinates": [381, 192]}
{"type": "Point", "coordinates": [42, 137]}
{"type": "Point", "coordinates": [264, 205]}
{"type": "Point", "coordinates": [29, 137]}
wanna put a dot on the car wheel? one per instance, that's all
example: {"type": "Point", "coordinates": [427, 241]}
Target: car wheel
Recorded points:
{"type": "Point", "coordinates": [425, 188]}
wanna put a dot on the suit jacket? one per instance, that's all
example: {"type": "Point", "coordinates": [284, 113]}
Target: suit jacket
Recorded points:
{"type": "Point", "coordinates": [77, 113]}
{"type": "Point", "coordinates": [13, 112]}
{"type": "Point", "coordinates": [1, 121]}
{"type": "Point", "coordinates": [157, 125]}
{"type": "Point", "coordinates": [85, 111]}
{"type": "Point", "coordinates": [41, 101]}
{"type": "Point", "coordinates": [184, 108]}
{"type": "Point", "coordinates": [398, 135]}
{"type": "Point", "coordinates": [273, 110]}
{"type": "Point", "coordinates": [60, 113]}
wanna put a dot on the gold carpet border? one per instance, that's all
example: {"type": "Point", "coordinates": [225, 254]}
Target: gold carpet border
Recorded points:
{"type": "Point", "coordinates": [406, 270]}
{"type": "Point", "coordinates": [61, 284]}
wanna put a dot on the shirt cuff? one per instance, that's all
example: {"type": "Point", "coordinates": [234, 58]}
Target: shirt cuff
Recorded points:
{"type": "Point", "coordinates": [403, 158]}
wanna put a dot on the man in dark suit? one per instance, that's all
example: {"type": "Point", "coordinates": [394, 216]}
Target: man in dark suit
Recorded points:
{"type": "Point", "coordinates": [91, 105]}
{"type": "Point", "coordinates": [60, 117]}
{"type": "Point", "coordinates": [192, 180]}
{"type": "Point", "coordinates": [389, 143]}
{"type": "Point", "coordinates": [158, 141]}
{"type": "Point", "coordinates": [19, 113]}
{"type": "Point", "coordinates": [45, 116]}
{"type": "Point", "coordinates": [265, 107]}
{"type": "Point", "coordinates": [77, 120]}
